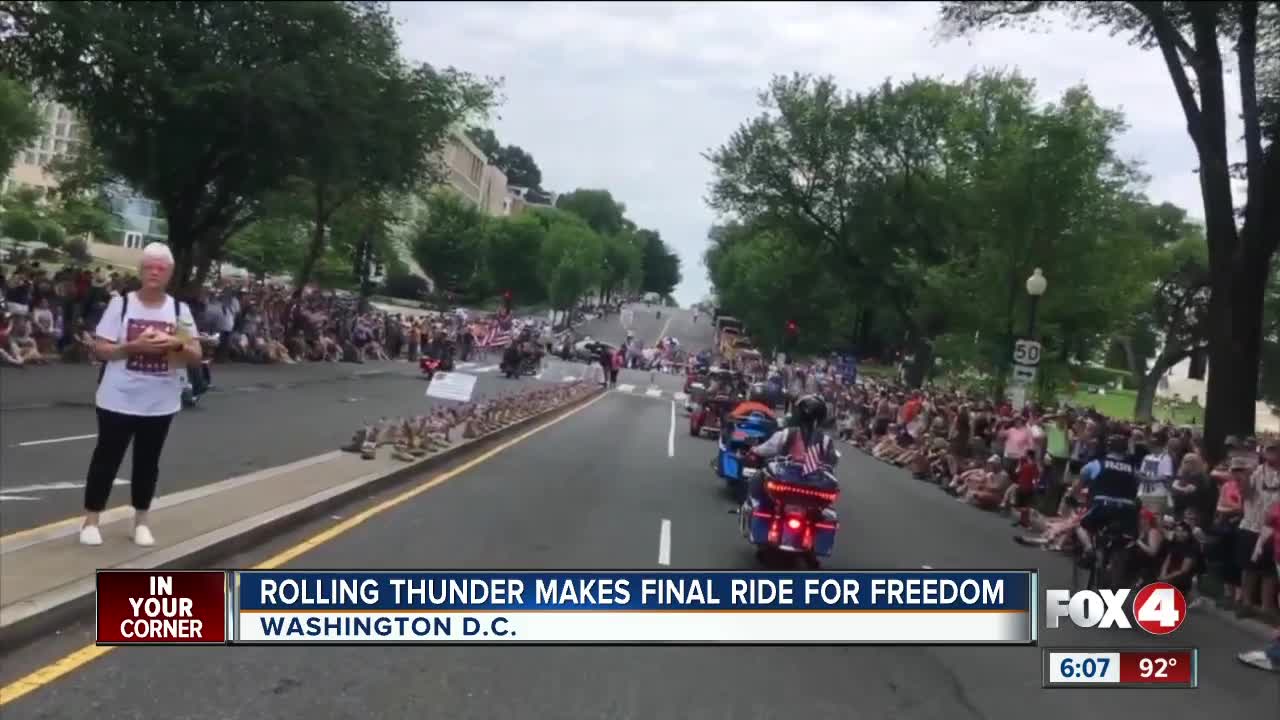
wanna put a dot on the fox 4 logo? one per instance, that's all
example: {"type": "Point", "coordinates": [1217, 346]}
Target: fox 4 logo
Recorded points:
{"type": "Point", "coordinates": [1158, 608]}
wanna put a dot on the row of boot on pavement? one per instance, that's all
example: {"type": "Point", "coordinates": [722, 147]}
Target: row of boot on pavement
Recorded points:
{"type": "Point", "coordinates": [422, 435]}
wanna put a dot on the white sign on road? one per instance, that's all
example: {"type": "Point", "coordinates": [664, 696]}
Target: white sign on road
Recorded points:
{"type": "Point", "coordinates": [452, 386]}
{"type": "Point", "coordinates": [1023, 374]}
{"type": "Point", "coordinates": [1026, 352]}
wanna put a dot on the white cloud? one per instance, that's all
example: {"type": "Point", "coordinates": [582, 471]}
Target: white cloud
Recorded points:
{"type": "Point", "coordinates": [627, 95]}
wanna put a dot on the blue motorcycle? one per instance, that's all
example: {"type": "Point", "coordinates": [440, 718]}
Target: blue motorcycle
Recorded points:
{"type": "Point", "coordinates": [736, 439]}
{"type": "Point", "coordinates": [791, 514]}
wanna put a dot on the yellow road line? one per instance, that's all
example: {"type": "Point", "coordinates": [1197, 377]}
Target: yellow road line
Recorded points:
{"type": "Point", "coordinates": [69, 663]}
{"type": "Point", "coordinates": [46, 527]}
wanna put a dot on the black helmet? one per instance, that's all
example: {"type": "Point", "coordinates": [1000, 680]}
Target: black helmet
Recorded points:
{"type": "Point", "coordinates": [758, 393]}
{"type": "Point", "coordinates": [1117, 444]}
{"type": "Point", "coordinates": [810, 410]}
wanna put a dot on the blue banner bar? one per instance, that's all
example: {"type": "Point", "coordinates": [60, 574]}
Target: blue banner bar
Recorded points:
{"type": "Point", "coordinates": [617, 591]}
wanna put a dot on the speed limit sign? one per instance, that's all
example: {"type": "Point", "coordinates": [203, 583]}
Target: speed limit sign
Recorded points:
{"type": "Point", "coordinates": [1026, 352]}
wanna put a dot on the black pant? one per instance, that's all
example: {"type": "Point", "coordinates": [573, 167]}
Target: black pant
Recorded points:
{"type": "Point", "coordinates": [613, 376]}
{"type": "Point", "coordinates": [115, 431]}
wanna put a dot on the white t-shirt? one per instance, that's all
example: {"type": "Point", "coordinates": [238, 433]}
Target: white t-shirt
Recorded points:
{"type": "Point", "coordinates": [140, 384]}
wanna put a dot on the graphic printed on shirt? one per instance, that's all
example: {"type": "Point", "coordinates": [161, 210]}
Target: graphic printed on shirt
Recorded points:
{"type": "Point", "coordinates": [149, 364]}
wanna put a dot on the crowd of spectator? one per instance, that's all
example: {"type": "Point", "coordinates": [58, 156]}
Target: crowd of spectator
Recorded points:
{"type": "Point", "coordinates": [50, 316]}
{"type": "Point", "coordinates": [1200, 526]}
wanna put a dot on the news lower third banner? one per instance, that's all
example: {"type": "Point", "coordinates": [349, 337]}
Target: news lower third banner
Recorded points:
{"type": "Point", "coordinates": [580, 608]}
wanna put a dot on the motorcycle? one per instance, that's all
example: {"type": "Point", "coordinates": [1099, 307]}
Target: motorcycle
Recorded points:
{"type": "Point", "coordinates": [705, 419]}
{"type": "Point", "coordinates": [523, 364]}
{"type": "Point", "coordinates": [736, 441]}
{"type": "Point", "coordinates": [430, 366]}
{"type": "Point", "coordinates": [790, 514]}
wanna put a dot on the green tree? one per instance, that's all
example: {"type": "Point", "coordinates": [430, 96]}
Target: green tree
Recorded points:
{"type": "Point", "coordinates": [519, 167]}
{"type": "Point", "coordinates": [1169, 322]}
{"type": "Point", "coordinates": [179, 117]}
{"type": "Point", "coordinates": [514, 162]}
{"type": "Point", "coordinates": [767, 279]}
{"type": "Point", "coordinates": [19, 121]}
{"type": "Point", "coordinates": [270, 246]}
{"type": "Point", "coordinates": [25, 218]}
{"type": "Point", "coordinates": [515, 246]}
{"type": "Point", "coordinates": [623, 264]}
{"type": "Point", "coordinates": [570, 262]}
{"type": "Point", "coordinates": [485, 140]}
{"type": "Point", "coordinates": [597, 207]}
{"type": "Point", "coordinates": [84, 215]}
{"type": "Point", "coordinates": [448, 241]}
{"type": "Point", "coordinates": [1190, 37]}
{"type": "Point", "coordinates": [372, 124]}
{"type": "Point", "coordinates": [660, 266]}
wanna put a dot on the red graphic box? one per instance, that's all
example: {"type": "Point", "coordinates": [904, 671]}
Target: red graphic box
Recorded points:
{"type": "Point", "coordinates": [162, 607]}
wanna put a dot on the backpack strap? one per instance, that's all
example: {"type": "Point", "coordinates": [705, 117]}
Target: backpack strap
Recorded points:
{"type": "Point", "coordinates": [124, 309]}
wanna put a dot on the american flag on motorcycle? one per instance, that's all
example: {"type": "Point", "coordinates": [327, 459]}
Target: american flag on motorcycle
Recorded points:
{"type": "Point", "coordinates": [812, 460]}
{"type": "Point", "coordinates": [500, 333]}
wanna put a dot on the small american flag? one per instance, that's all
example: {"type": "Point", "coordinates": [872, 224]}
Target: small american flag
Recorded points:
{"type": "Point", "coordinates": [811, 461]}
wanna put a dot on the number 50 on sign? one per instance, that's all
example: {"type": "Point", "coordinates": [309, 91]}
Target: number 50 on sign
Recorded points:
{"type": "Point", "coordinates": [1026, 352]}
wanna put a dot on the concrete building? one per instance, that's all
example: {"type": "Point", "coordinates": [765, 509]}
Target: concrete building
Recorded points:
{"type": "Point", "coordinates": [61, 135]}
{"type": "Point", "coordinates": [519, 198]}
{"type": "Point", "coordinates": [138, 220]}
{"type": "Point", "coordinates": [467, 170]}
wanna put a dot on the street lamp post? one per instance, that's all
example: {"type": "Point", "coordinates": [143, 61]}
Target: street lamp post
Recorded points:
{"type": "Point", "coordinates": [1036, 285]}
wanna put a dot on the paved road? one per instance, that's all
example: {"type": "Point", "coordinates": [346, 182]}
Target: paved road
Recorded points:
{"type": "Point", "coordinates": [257, 417]}
{"type": "Point", "coordinates": [648, 327]}
{"type": "Point", "coordinates": [592, 492]}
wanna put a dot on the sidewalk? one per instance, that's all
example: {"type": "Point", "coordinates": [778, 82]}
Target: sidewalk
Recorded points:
{"type": "Point", "coordinates": [47, 579]}
{"type": "Point", "coordinates": [71, 384]}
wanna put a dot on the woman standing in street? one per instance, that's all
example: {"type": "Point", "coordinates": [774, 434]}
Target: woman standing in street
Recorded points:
{"type": "Point", "coordinates": [143, 339]}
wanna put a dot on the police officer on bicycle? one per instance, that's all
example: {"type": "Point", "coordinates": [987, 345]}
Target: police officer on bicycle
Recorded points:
{"type": "Point", "coordinates": [1112, 482]}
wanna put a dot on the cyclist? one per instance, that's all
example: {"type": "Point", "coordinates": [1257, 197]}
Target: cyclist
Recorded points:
{"type": "Point", "coordinates": [1112, 482]}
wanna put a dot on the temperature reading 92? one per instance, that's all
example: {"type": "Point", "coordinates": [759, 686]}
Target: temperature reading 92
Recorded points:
{"type": "Point", "coordinates": [1156, 667]}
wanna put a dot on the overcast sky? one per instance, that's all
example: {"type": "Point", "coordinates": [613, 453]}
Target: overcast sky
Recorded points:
{"type": "Point", "coordinates": [626, 96]}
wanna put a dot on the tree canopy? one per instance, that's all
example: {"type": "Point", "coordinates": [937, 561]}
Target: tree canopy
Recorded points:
{"type": "Point", "coordinates": [228, 103]}
{"type": "Point", "coordinates": [1196, 40]}
{"type": "Point", "coordinates": [514, 161]}
{"type": "Point", "coordinates": [928, 204]}
{"type": "Point", "coordinates": [19, 122]}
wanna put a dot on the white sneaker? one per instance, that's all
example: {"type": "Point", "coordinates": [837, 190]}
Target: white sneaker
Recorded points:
{"type": "Point", "coordinates": [1256, 658]}
{"type": "Point", "coordinates": [90, 535]}
{"type": "Point", "coordinates": [142, 536]}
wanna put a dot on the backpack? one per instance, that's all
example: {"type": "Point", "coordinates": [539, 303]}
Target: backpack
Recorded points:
{"type": "Point", "coordinates": [124, 309]}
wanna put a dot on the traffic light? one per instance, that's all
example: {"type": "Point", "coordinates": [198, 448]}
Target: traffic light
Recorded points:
{"type": "Point", "coordinates": [789, 340]}
{"type": "Point", "coordinates": [792, 328]}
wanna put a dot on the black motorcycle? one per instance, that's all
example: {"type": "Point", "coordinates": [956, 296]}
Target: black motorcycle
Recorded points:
{"type": "Point", "coordinates": [516, 363]}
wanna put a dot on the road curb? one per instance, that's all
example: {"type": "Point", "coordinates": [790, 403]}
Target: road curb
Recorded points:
{"type": "Point", "coordinates": [23, 622]}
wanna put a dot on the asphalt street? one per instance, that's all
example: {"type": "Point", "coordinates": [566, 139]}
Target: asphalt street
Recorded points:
{"type": "Point", "coordinates": [256, 417]}
{"type": "Point", "coordinates": [593, 491]}
{"type": "Point", "coordinates": [237, 429]}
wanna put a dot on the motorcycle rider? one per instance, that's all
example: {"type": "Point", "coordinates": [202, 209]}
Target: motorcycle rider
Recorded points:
{"type": "Point", "coordinates": [1112, 482]}
{"type": "Point", "coordinates": [757, 402]}
{"type": "Point", "coordinates": [511, 356]}
{"type": "Point", "coordinates": [802, 433]}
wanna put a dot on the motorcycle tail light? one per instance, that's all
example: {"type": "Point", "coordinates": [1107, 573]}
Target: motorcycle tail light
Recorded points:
{"type": "Point", "coordinates": [794, 523]}
{"type": "Point", "coordinates": [780, 488]}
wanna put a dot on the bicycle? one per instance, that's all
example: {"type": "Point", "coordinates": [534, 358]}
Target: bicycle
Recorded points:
{"type": "Point", "coordinates": [1108, 568]}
